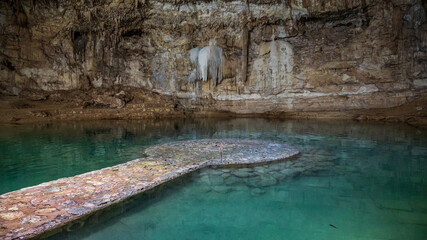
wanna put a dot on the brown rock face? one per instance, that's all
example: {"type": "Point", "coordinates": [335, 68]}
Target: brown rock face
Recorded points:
{"type": "Point", "coordinates": [109, 101]}
{"type": "Point", "coordinates": [277, 56]}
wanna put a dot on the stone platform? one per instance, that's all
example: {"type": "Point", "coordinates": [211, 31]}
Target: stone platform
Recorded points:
{"type": "Point", "coordinates": [31, 211]}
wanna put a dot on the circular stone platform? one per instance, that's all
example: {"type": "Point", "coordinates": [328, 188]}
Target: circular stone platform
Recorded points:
{"type": "Point", "coordinates": [38, 210]}
{"type": "Point", "coordinates": [221, 151]}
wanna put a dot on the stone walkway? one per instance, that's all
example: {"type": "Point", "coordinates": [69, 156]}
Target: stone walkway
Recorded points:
{"type": "Point", "coordinates": [28, 212]}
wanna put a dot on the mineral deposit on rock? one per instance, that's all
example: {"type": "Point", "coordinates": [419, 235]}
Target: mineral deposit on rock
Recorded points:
{"type": "Point", "coordinates": [307, 58]}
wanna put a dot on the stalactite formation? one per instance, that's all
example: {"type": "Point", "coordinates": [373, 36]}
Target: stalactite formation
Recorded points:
{"type": "Point", "coordinates": [323, 55]}
{"type": "Point", "coordinates": [215, 64]}
{"type": "Point", "coordinates": [245, 42]}
{"type": "Point", "coordinates": [208, 62]}
{"type": "Point", "coordinates": [245, 50]}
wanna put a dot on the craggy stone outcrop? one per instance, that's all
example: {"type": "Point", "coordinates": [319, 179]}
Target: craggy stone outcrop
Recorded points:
{"type": "Point", "coordinates": [277, 56]}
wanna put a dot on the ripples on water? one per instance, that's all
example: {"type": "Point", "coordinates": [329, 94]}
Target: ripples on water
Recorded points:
{"type": "Point", "coordinates": [352, 181]}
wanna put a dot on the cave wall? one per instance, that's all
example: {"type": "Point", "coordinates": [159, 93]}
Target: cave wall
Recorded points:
{"type": "Point", "coordinates": [278, 56]}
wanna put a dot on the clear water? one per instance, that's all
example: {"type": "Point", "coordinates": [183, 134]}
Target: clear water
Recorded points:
{"type": "Point", "coordinates": [352, 181]}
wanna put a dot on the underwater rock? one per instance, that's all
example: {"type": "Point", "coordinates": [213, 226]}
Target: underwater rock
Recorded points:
{"type": "Point", "coordinates": [226, 175]}
{"type": "Point", "coordinates": [267, 181]}
{"type": "Point", "coordinates": [205, 188]}
{"type": "Point", "coordinates": [204, 179]}
{"type": "Point", "coordinates": [222, 189]}
{"type": "Point", "coordinates": [216, 180]}
{"type": "Point", "coordinates": [288, 172]}
{"type": "Point", "coordinates": [276, 167]}
{"type": "Point", "coordinates": [215, 172]}
{"type": "Point", "coordinates": [233, 180]}
{"type": "Point", "coordinates": [260, 170]}
{"type": "Point", "coordinates": [257, 191]}
{"type": "Point", "coordinates": [279, 175]}
{"type": "Point", "coordinates": [243, 172]}
{"type": "Point", "coordinates": [253, 181]}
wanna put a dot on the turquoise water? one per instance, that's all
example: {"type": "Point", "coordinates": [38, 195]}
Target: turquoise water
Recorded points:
{"type": "Point", "coordinates": [31, 154]}
{"type": "Point", "coordinates": [352, 180]}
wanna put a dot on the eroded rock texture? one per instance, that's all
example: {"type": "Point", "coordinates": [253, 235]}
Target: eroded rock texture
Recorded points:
{"type": "Point", "coordinates": [277, 56]}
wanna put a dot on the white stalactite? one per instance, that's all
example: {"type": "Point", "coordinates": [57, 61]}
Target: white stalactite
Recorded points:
{"type": "Point", "coordinates": [194, 55]}
{"type": "Point", "coordinates": [204, 63]}
{"type": "Point", "coordinates": [194, 58]}
{"type": "Point", "coordinates": [208, 62]}
{"type": "Point", "coordinates": [215, 64]}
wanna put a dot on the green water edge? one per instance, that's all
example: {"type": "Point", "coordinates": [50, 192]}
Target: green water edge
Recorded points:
{"type": "Point", "coordinates": [355, 180]}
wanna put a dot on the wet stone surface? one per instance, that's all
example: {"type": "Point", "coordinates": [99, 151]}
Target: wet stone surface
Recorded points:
{"type": "Point", "coordinates": [258, 178]}
{"type": "Point", "coordinates": [28, 212]}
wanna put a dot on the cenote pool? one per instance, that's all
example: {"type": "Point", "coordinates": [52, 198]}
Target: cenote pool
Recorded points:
{"type": "Point", "coordinates": [351, 181]}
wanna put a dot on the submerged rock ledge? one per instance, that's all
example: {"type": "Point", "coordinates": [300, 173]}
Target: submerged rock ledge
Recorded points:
{"type": "Point", "coordinates": [31, 211]}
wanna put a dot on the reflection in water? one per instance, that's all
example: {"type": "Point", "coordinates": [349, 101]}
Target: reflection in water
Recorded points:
{"type": "Point", "coordinates": [369, 181]}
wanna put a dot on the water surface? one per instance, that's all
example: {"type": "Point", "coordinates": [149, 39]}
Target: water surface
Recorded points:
{"type": "Point", "coordinates": [352, 181]}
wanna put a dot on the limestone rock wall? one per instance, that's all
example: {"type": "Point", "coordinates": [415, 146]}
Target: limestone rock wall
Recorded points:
{"type": "Point", "coordinates": [277, 56]}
